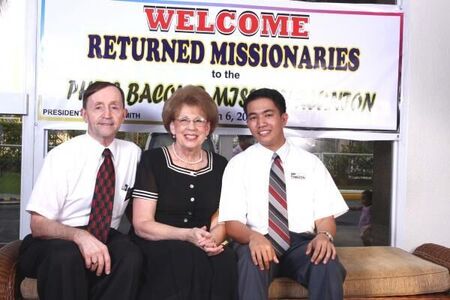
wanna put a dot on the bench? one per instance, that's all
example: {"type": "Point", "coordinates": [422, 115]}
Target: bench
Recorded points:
{"type": "Point", "coordinates": [371, 272]}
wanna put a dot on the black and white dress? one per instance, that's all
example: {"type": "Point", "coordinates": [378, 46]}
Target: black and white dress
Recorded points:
{"type": "Point", "coordinates": [185, 198]}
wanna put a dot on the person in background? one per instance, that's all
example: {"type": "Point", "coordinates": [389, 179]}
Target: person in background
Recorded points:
{"type": "Point", "coordinates": [176, 197]}
{"type": "Point", "coordinates": [74, 249]}
{"type": "Point", "coordinates": [244, 141]}
{"type": "Point", "coordinates": [365, 219]}
{"type": "Point", "coordinates": [279, 205]}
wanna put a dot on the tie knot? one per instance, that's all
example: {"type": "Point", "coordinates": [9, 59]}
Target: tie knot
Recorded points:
{"type": "Point", "coordinates": [106, 152]}
{"type": "Point", "coordinates": [276, 157]}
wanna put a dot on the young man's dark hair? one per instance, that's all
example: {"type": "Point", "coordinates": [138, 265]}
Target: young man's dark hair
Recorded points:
{"type": "Point", "coordinates": [97, 86]}
{"type": "Point", "coordinates": [271, 94]}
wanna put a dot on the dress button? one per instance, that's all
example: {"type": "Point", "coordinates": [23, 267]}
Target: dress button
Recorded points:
{"type": "Point", "coordinates": [192, 199]}
{"type": "Point", "coordinates": [190, 213]}
{"type": "Point", "coordinates": [191, 186]}
{"type": "Point", "coordinates": [185, 220]}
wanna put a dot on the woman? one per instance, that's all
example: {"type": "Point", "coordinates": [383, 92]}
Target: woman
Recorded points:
{"type": "Point", "coordinates": [176, 194]}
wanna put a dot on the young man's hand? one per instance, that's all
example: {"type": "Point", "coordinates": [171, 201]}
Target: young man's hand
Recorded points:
{"type": "Point", "coordinates": [321, 249]}
{"type": "Point", "coordinates": [262, 251]}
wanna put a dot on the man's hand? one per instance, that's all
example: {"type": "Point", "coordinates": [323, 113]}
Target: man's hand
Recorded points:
{"type": "Point", "coordinates": [95, 253]}
{"type": "Point", "coordinates": [322, 249]}
{"type": "Point", "coordinates": [262, 251]}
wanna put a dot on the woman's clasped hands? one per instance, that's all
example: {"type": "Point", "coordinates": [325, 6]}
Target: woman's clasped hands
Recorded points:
{"type": "Point", "coordinates": [204, 239]}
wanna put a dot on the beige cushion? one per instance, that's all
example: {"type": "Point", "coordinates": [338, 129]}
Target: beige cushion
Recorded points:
{"type": "Point", "coordinates": [388, 271]}
{"type": "Point", "coordinates": [377, 271]}
{"type": "Point", "coordinates": [285, 288]}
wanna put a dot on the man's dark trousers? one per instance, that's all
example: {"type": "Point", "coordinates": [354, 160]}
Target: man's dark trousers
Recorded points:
{"type": "Point", "coordinates": [60, 269]}
{"type": "Point", "coordinates": [324, 281]}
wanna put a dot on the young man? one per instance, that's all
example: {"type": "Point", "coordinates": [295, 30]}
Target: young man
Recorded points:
{"type": "Point", "coordinates": [278, 203]}
{"type": "Point", "coordinates": [74, 250]}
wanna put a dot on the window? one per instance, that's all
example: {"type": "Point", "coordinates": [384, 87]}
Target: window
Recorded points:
{"type": "Point", "coordinates": [10, 174]}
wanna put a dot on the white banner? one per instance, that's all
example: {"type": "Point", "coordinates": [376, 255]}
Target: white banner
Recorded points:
{"type": "Point", "coordinates": [12, 57]}
{"type": "Point", "coordinates": [337, 65]}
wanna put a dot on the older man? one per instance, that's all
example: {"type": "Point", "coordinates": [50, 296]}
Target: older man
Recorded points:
{"type": "Point", "coordinates": [75, 250]}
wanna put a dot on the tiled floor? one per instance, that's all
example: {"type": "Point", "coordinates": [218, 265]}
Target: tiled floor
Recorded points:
{"type": "Point", "coordinates": [9, 222]}
{"type": "Point", "coordinates": [347, 229]}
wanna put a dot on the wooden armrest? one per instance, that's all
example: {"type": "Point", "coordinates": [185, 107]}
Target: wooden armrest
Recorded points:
{"type": "Point", "coordinates": [9, 280]}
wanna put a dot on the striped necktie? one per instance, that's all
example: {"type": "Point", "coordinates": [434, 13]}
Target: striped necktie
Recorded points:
{"type": "Point", "coordinates": [278, 214]}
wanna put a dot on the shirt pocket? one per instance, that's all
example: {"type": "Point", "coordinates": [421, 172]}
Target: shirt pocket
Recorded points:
{"type": "Point", "coordinates": [301, 206]}
{"type": "Point", "coordinates": [124, 199]}
{"type": "Point", "coordinates": [299, 189]}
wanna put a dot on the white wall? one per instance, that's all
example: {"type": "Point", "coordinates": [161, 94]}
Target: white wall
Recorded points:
{"type": "Point", "coordinates": [423, 203]}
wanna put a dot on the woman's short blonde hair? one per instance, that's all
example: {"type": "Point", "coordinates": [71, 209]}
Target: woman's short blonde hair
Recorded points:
{"type": "Point", "coordinates": [192, 96]}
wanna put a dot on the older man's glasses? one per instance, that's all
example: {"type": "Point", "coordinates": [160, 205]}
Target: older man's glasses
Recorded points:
{"type": "Point", "coordinates": [198, 122]}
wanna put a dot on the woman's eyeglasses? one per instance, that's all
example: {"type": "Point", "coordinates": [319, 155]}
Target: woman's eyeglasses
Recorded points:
{"type": "Point", "coordinates": [199, 122]}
